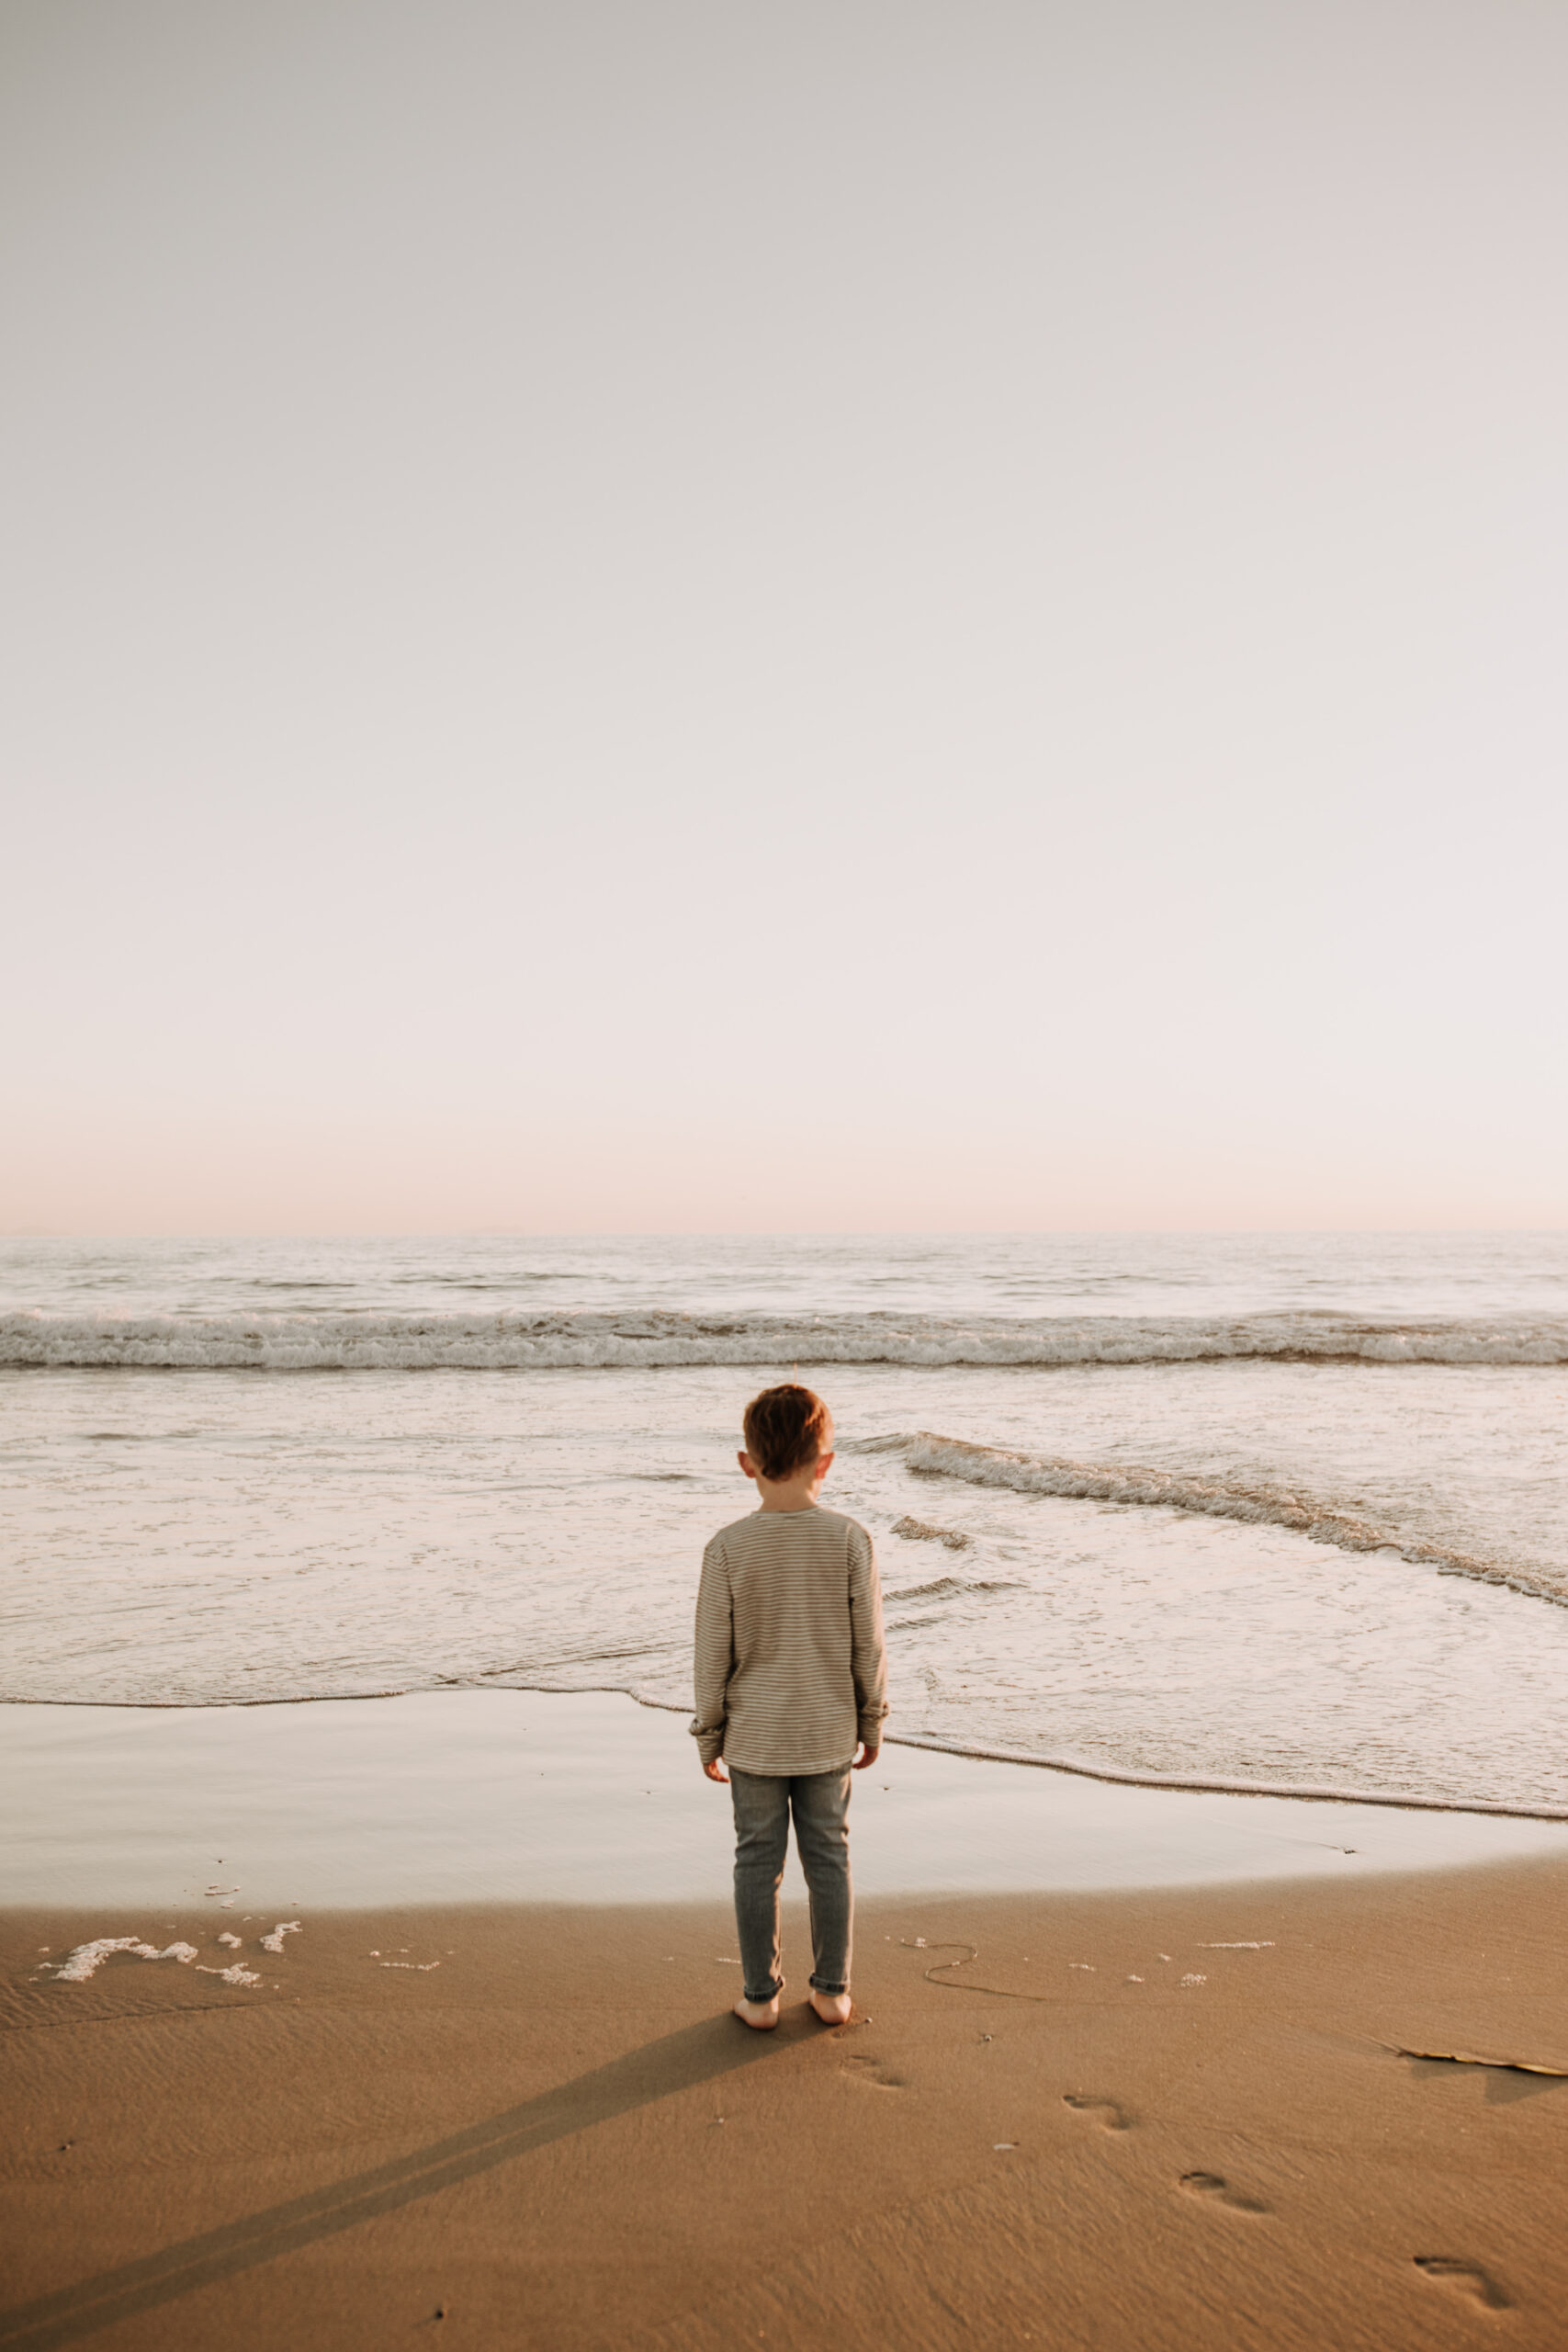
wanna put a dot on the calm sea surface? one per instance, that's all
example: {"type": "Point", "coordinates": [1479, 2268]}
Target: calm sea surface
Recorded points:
{"type": "Point", "coordinates": [1288, 1512]}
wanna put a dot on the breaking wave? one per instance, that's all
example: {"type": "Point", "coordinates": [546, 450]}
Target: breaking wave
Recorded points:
{"type": "Point", "coordinates": [1039, 1474]}
{"type": "Point", "coordinates": [503, 1342]}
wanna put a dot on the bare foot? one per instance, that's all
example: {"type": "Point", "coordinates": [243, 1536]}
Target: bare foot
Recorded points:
{"type": "Point", "coordinates": [760, 2015]}
{"type": "Point", "coordinates": [833, 2008]}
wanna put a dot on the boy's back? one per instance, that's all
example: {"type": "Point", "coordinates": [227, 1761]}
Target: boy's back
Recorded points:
{"type": "Point", "coordinates": [790, 1672]}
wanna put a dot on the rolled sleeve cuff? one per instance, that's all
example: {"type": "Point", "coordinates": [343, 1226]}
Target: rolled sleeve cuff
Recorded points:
{"type": "Point", "coordinates": [869, 1729]}
{"type": "Point", "coordinates": [709, 1738]}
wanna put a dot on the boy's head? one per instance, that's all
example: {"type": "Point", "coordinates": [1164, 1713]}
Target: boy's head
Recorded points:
{"type": "Point", "coordinates": [788, 1429]}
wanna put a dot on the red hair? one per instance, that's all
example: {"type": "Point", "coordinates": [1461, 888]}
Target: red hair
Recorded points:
{"type": "Point", "coordinates": [785, 1429]}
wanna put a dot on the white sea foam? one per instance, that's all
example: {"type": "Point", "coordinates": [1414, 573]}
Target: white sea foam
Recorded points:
{"type": "Point", "coordinates": [662, 1340]}
{"type": "Point", "coordinates": [275, 1942]}
{"type": "Point", "coordinates": [1253, 1503]}
{"type": "Point", "coordinates": [919, 1531]}
{"type": "Point", "coordinates": [79, 1965]}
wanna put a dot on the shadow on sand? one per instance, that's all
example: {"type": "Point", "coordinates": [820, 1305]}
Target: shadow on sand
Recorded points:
{"type": "Point", "coordinates": [697, 2054]}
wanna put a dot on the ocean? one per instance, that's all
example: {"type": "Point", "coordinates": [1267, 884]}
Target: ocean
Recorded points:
{"type": "Point", "coordinates": [1273, 1512]}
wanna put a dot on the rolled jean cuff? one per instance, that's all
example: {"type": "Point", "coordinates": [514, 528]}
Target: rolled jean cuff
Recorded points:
{"type": "Point", "coordinates": [821, 1984]}
{"type": "Point", "coordinates": [770, 1992]}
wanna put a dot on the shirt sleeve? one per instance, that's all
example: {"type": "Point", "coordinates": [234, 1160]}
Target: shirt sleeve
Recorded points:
{"type": "Point", "coordinates": [715, 1652]}
{"type": "Point", "coordinates": [868, 1655]}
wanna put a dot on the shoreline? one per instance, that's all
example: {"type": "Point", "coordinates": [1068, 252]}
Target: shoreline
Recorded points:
{"type": "Point", "coordinates": [589, 1797]}
{"type": "Point", "coordinates": [1076, 1767]}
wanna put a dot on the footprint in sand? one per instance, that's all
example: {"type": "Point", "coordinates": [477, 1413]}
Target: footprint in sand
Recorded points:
{"type": "Point", "coordinates": [1212, 2185]}
{"type": "Point", "coordinates": [1106, 2111]}
{"type": "Point", "coordinates": [1468, 2278]}
{"type": "Point", "coordinates": [875, 2072]}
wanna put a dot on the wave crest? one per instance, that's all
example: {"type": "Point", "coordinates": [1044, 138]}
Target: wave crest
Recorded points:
{"type": "Point", "coordinates": [1037, 1474]}
{"type": "Point", "coordinates": [588, 1340]}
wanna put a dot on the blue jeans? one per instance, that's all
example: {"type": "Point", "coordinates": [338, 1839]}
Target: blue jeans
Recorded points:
{"type": "Point", "coordinates": [821, 1803]}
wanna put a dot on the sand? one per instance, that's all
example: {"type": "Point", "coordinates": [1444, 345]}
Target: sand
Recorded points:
{"type": "Point", "coordinates": [1139, 2120]}
{"type": "Point", "coordinates": [1125, 2071]}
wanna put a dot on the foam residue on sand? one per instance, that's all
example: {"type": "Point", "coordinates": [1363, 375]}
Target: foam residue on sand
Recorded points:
{"type": "Point", "coordinates": [79, 1965]}
{"type": "Point", "coordinates": [82, 1964]}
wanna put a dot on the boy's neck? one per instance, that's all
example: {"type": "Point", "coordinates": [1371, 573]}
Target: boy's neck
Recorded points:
{"type": "Point", "coordinates": [789, 1493]}
{"type": "Point", "coordinates": [799, 1493]}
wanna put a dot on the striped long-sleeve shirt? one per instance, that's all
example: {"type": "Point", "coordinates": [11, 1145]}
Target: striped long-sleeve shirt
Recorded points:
{"type": "Point", "coordinates": [790, 1665]}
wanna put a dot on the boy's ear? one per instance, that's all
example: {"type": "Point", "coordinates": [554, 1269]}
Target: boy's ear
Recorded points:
{"type": "Point", "coordinates": [748, 1467]}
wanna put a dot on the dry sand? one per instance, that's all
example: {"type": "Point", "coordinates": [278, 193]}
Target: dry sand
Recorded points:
{"type": "Point", "coordinates": [1118, 2125]}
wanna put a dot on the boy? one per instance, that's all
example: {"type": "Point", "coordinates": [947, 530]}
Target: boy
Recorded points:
{"type": "Point", "coordinates": [790, 1675]}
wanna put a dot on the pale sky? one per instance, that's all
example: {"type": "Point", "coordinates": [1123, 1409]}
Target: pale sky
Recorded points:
{"type": "Point", "coordinates": [704, 614]}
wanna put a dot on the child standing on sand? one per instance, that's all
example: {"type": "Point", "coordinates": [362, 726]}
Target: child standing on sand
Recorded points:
{"type": "Point", "coordinates": [791, 1676]}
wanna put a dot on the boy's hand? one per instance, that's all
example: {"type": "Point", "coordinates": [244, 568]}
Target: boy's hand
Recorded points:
{"type": "Point", "coordinates": [867, 1756]}
{"type": "Point", "coordinates": [716, 1771]}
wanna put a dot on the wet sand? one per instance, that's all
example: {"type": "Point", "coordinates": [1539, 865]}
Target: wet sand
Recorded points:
{"type": "Point", "coordinates": [465, 1796]}
{"type": "Point", "coordinates": [1146, 2118]}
